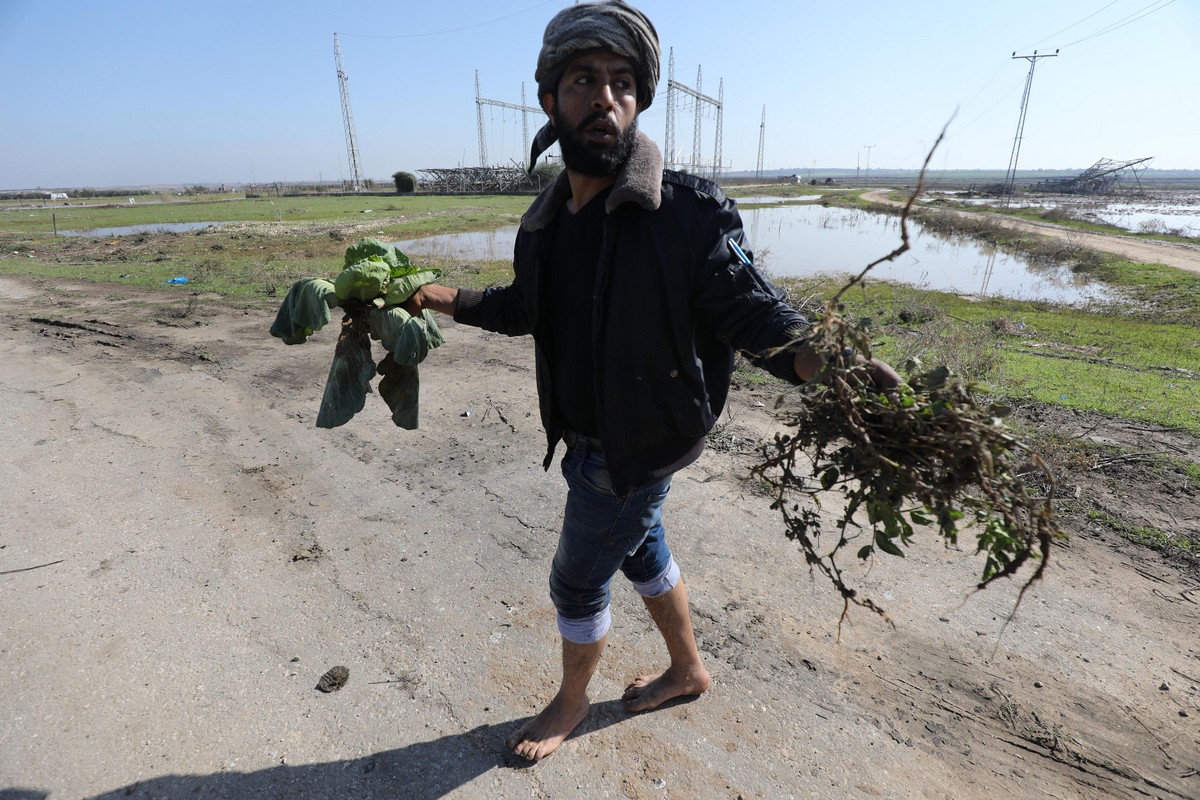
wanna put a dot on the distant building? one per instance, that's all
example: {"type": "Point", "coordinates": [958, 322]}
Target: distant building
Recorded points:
{"type": "Point", "coordinates": [56, 196]}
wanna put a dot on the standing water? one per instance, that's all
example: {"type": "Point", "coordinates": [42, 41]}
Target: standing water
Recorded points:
{"type": "Point", "coordinates": [810, 240]}
{"type": "Point", "coordinates": [800, 241]}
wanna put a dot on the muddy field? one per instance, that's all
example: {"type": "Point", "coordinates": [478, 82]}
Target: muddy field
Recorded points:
{"type": "Point", "coordinates": [183, 555]}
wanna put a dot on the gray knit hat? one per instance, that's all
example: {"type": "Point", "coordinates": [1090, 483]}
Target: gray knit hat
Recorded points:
{"type": "Point", "coordinates": [612, 25]}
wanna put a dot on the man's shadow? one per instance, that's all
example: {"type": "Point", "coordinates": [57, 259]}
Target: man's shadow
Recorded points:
{"type": "Point", "coordinates": [420, 771]}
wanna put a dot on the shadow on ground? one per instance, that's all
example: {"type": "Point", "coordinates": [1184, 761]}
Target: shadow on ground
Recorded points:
{"type": "Point", "coordinates": [420, 771]}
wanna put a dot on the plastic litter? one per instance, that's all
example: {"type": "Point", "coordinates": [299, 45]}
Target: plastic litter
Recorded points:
{"type": "Point", "coordinates": [179, 279]}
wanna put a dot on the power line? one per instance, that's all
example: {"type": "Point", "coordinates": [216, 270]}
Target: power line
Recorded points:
{"type": "Point", "coordinates": [1158, 5]}
{"type": "Point", "coordinates": [1072, 25]}
{"type": "Point", "coordinates": [449, 30]}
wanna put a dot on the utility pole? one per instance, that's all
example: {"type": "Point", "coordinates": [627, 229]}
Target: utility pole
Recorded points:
{"type": "Point", "coordinates": [868, 149]}
{"type": "Point", "coordinates": [1010, 177]}
{"type": "Point", "coordinates": [762, 135]}
{"type": "Point", "coordinates": [356, 179]}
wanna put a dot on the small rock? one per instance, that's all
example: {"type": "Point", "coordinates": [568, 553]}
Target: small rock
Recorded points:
{"type": "Point", "coordinates": [1037, 684]}
{"type": "Point", "coordinates": [334, 679]}
{"type": "Point", "coordinates": [1164, 687]}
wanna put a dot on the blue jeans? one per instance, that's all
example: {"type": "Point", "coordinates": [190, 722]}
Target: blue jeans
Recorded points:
{"type": "Point", "coordinates": [601, 534]}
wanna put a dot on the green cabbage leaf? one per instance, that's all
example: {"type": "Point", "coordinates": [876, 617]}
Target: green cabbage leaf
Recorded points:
{"type": "Point", "coordinates": [363, 280]}
{"type": "Point", "coordinates": [304, 310]}
{"type": "Point", "coordinates": [402, 287]}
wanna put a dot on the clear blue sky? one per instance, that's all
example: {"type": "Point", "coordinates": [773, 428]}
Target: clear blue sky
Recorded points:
{"type": "Point", "coordinates": [145, 92]}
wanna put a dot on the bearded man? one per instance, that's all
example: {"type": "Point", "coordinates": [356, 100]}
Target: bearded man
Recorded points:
{"type": "Point", "coordinates": [636, 286]}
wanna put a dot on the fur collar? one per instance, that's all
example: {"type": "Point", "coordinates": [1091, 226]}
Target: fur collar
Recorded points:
{"type": "Point", "coordinates": [639, 181]}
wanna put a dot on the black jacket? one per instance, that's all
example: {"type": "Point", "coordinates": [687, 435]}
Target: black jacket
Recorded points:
{"type": "Point", "coordinates": [672, 304]}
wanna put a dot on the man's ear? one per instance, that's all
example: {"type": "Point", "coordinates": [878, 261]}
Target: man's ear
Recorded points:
{"type": "Point", "coordinates": [548, 104]}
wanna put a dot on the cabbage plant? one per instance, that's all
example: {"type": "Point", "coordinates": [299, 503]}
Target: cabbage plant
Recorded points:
{"type": "Point", "coordinates": [375, 281]}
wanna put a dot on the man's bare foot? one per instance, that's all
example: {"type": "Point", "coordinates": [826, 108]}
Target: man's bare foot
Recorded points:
{"type": "Point", "coordinates": [541, 736]}
{"type": "Point", "coordinates": [651, 691]}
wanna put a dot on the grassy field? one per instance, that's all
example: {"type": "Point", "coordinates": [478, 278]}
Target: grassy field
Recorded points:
{"type": "Point", "coordinates": [1141, 361]}
{"type": "Point", "coordinates": [1140, 367]}
{"type": "Point", "coordinates": [406, 215]}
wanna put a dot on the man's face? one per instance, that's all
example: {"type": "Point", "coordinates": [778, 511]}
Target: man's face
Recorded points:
{"type": "Point", "coordinates": [595, 113]}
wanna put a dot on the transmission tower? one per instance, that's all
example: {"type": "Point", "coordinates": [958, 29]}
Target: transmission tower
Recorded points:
{"type": "Point", "coordinates": [356, 178]}
{"type": "Point", "coordinates": [670, 135]}
{"type": "Point", "coordinates": [1010, 177]}
{"type": "Point", "coordinates": [762, 136]}
{"type": "Point", "coordinates": [525, 110]}
{"type": "Point", "coordinates": [674, 87]}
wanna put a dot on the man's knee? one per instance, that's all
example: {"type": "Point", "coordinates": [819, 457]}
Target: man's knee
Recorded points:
{"type": "Point", "coordinates": [585, 630]}
{"type": "Point", "coordinates": [661, 583]}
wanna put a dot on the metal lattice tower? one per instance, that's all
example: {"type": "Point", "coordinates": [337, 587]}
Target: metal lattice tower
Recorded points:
{"type": "Point", "coordinates": [762, 135]}
{"type": "Point", "coordinates": [716, 171]}
{"type": "Point", "coordinates": [669, 149]}
{"type": "Point", "coordinates": [673, 88]}
{"type": "Point", "coordinates": [356, 177]}
{"type": "Point", "coordinates": [525, 110]}
{"type": "Point", "coordinates": [1010, 177]}
{"type": "Point", "coordinates": [696, 126]}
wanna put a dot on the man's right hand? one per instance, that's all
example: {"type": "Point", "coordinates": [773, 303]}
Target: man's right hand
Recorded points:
{"type": "Point", "coordinates": [434, 297]}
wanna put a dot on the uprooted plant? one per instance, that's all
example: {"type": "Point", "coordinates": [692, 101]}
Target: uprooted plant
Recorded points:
{"type": "Point", "coordinates": [927, 453]}
{"type": "Point", "coordinates": [370, 290]}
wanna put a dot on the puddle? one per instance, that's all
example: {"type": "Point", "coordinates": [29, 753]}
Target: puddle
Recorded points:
{"type": "Point", "coordinates": [809, 240]}
{"type": "Point", "coordinates": [1177, 219]}
{"type": "Point", "coordinates": [158, 227]}
{"type": "Point", "coordinates": [481, 246]}
{"type": "Point", "coordinates": [800, 241]}
{"type": "Point", "coordinates": [762, 200]}
{"type": "Point", "coordinates": [1157, 212]}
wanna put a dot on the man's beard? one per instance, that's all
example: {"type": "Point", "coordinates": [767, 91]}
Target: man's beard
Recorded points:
{"type": "Point", "coordinates": [587, 158]}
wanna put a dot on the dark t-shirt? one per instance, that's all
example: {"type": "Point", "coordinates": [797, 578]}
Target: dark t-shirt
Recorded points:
{"type": "Point", "coordinates": [570, 288]}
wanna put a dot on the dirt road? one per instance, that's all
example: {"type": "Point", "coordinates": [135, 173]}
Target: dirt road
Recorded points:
{"type": "Point", "coordinates": [183, 554]}
{"type": "Point", "coordinates": [1146, 251]}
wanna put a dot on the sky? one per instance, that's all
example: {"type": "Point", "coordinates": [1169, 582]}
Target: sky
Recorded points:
{"type": "Point", "coordinates": [144, 92]}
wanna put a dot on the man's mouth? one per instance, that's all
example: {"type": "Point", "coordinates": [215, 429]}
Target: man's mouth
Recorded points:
{"type": "Point", "coordinates": [602, 129]}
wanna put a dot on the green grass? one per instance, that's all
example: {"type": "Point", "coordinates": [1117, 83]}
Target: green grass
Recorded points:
{"type": "Point", "coordinates": [406, 215]}
{"type": "Point", "coordinates": [1148, 535]}
{"type": "Point", "coordinates": [1143, 367]}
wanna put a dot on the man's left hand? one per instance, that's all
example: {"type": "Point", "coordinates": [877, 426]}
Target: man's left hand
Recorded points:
{"type": "Point", "coordinates": [881, 374]}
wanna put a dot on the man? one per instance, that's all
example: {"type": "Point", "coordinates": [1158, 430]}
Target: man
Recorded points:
{"type": "Point", "coordinates": [634, 288]}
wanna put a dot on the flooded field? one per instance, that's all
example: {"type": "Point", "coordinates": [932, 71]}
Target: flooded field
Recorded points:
{"type": "Point", "coordinates": [1163, 212]}
{"type": "Point", "coordinates": [809, 240]}
{"type": "Point", "coordinates": [157, 227]}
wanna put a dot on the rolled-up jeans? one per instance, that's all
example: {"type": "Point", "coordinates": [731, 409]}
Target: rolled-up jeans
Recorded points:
{"type": "Point", "coordinates": [601, 534]}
